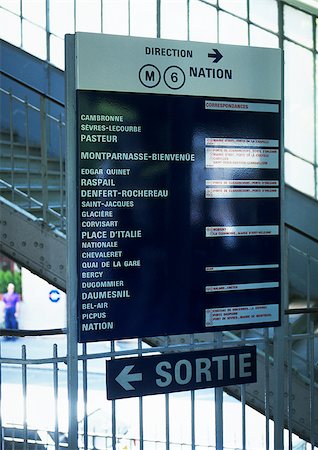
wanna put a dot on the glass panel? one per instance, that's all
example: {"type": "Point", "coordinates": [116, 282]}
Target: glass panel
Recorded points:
{"type": "Point", "coordinates": [261, 38]}
{"type": "Point", "coordinates": [143, 18]}
{"type": "Point", "coordinates": [265, 13]}
{"type": "Point", "coordinates": [57, 51]}
{"type": "Point", "coordinates": [88, 15]}
{"type": "Point", "coordinates": [115, 17]}
{"type": "Point", "coordinates": [174, 19]}
{"type": "Point", "coordinates": [12, 5]}
{"type": "Point", "coordinates": [62, 17]}
{"type": "Point", "coordinates": [203, 22]}
{"type": "Point", "coordinates": [233, 30]}
{"type": "Point", "coordinates": [11, 31]}
{"type": "Point", "coordinates": [299, 101]}
{"type": "Point", "coordinates": [34, 39]}
{"type": "Point", "coordinates": [299, 174]}
{"type": "Point", "coordinates": [298, 26]}
{"type": "Point", "coordinates": [34, 10]}
{"type": "Point", "coordinates": [238, 7]}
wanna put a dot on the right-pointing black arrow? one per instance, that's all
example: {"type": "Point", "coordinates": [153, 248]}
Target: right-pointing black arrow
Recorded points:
{"type": "Point", "coordinates": [216, 55]}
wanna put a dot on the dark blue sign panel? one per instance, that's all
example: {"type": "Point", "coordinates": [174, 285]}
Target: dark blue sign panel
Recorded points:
{"type": "Point", "coordinates": [178, 214]}
{"type": "Point", "coordinates": [136, 377]}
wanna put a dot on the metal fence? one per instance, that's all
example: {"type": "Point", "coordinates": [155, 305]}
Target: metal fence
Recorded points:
{"type": "Point", "coordinates": [34, 391]}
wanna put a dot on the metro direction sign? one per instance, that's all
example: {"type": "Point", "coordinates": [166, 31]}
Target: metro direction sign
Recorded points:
{"type": "Point", "coordinates": [161, 374]}
{"type": "Point", "coordinates": [178, 182]}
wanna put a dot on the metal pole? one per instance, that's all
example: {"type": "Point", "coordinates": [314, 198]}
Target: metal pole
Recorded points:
{"type": "Point", "coordinates": [85, 388]}
{"type": "Point", "coordinates": [55, 384]}
{"type": "Point", "coordinates": [219, 407]}
{"type": "Point", "coordinates": [72, 351]}
{"type": "Point", "coordinates": [24, 391]}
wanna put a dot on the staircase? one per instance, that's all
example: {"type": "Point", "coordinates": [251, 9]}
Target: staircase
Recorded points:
{"type": "Point", "coordinates": [32, 198]}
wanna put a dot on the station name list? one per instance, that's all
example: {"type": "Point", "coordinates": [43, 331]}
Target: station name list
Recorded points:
{"type": "Point", "coordinates": [112, 154]}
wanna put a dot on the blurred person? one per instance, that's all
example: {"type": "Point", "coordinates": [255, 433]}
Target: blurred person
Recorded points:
{"type": "Point", "coordinates": [11, 302]}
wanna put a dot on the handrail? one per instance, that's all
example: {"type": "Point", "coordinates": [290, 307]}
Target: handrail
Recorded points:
{"type": "Point", "coordinates": [310, 310]}
{"type": "Point", "coordinates": [26, 85]}
{"type": "Point", "coordinates": [35, 108]}
{"type": "Point", "coordinates": [29, 197]}
{"type": "Point", "coordinates": [24, 333]}
{"type": "Point", "coordinates": [301, 232]}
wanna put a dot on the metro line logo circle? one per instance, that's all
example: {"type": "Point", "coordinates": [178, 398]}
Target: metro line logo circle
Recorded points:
{"type": "Point", "coordinates": [174, 77]}
{"type": "Point", "coordinates": [149, 76]}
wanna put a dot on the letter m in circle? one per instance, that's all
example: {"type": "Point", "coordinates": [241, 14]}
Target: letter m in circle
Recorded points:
{"type": "Point", "coordinates": [150, 75]}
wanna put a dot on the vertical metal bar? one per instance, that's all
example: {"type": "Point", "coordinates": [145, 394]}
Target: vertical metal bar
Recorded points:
{"type": "Point", "coordinates": [85, 419]}
{"type": "Point", "coordinates": [129, 11]}
{"type": "Point", "coordinates": [27, 148]}
{"type": "Point", "coordinates": [141, 416]}
{"type": "Point", "coordinates": [114, 433]}
{"type": "Point", "coordinates": [72, 355]}
{"type": "Point", "coordinates": [74, 12]}
{"type": "Point", "coordinates": [193, 420]}
{"type": "Point", "coordinates": [21, 27]}
{"type": "Point", "coordinates": [62, 174]}
{"type": "Point", "coordinates": [279, 332]}
{"type": "Point", "coordinates": [1, 409]}
{"type": "Point", "coordinates": [11, 143]}
{"type": "Point", "coordinates": [267, 388]}
{"type": "Point", "coordinates": [308, 318]}
{"type": "Point", "coordinates": [44, 158]}
{"type": "Point", "coordinates": [248, 24]}
{"type": "Point", "coordinates": [315, 100]}
{"type": "Point", "coordinates": [243, 405]}
{"type": "Point", "coordinates": [192, 393]}
{"type": "Point", "coordinates": [312, 388]}
{"type": "Point", "coordinates": [13, 441]}
{"type": "Point", "coordinates": [188, 20]}
{"type": "Point", "coordinates": [158, 18]}
{"type": "Point", "coordinates": [24, 392]}
{"type": "Point", "coordinates": [289, 388]}
{"type": "Point", "coordinates": [278, 370]}
{"type": "Point", "coordinates": [217, 21]}
{"type": "Point", "coordinates": [102, 16]}
{"type": "Point", "coordinates": [219, 406]}
{"type": "Point", "coordinates": [55, 387]}
{"type": "Point", "coordinates": [167, 422]}
{"type": "Point", "coordinates": [47, 30]}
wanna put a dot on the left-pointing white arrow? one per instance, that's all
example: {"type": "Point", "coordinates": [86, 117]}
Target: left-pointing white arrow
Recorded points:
{"type": "Point", "coordinates": [124, 378]}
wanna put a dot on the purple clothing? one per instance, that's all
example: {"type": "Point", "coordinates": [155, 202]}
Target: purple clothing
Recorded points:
{"type": "Point", "coordinates": [10, 300]}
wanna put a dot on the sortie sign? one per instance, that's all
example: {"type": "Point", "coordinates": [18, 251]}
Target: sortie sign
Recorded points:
{"type": "Point", "coordinates": [135, 377]}
{"type": "Point", "coordinates": [178, 182]}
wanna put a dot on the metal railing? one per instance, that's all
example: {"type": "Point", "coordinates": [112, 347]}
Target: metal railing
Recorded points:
{"type": "Point", "coordinates": [32, 172]}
